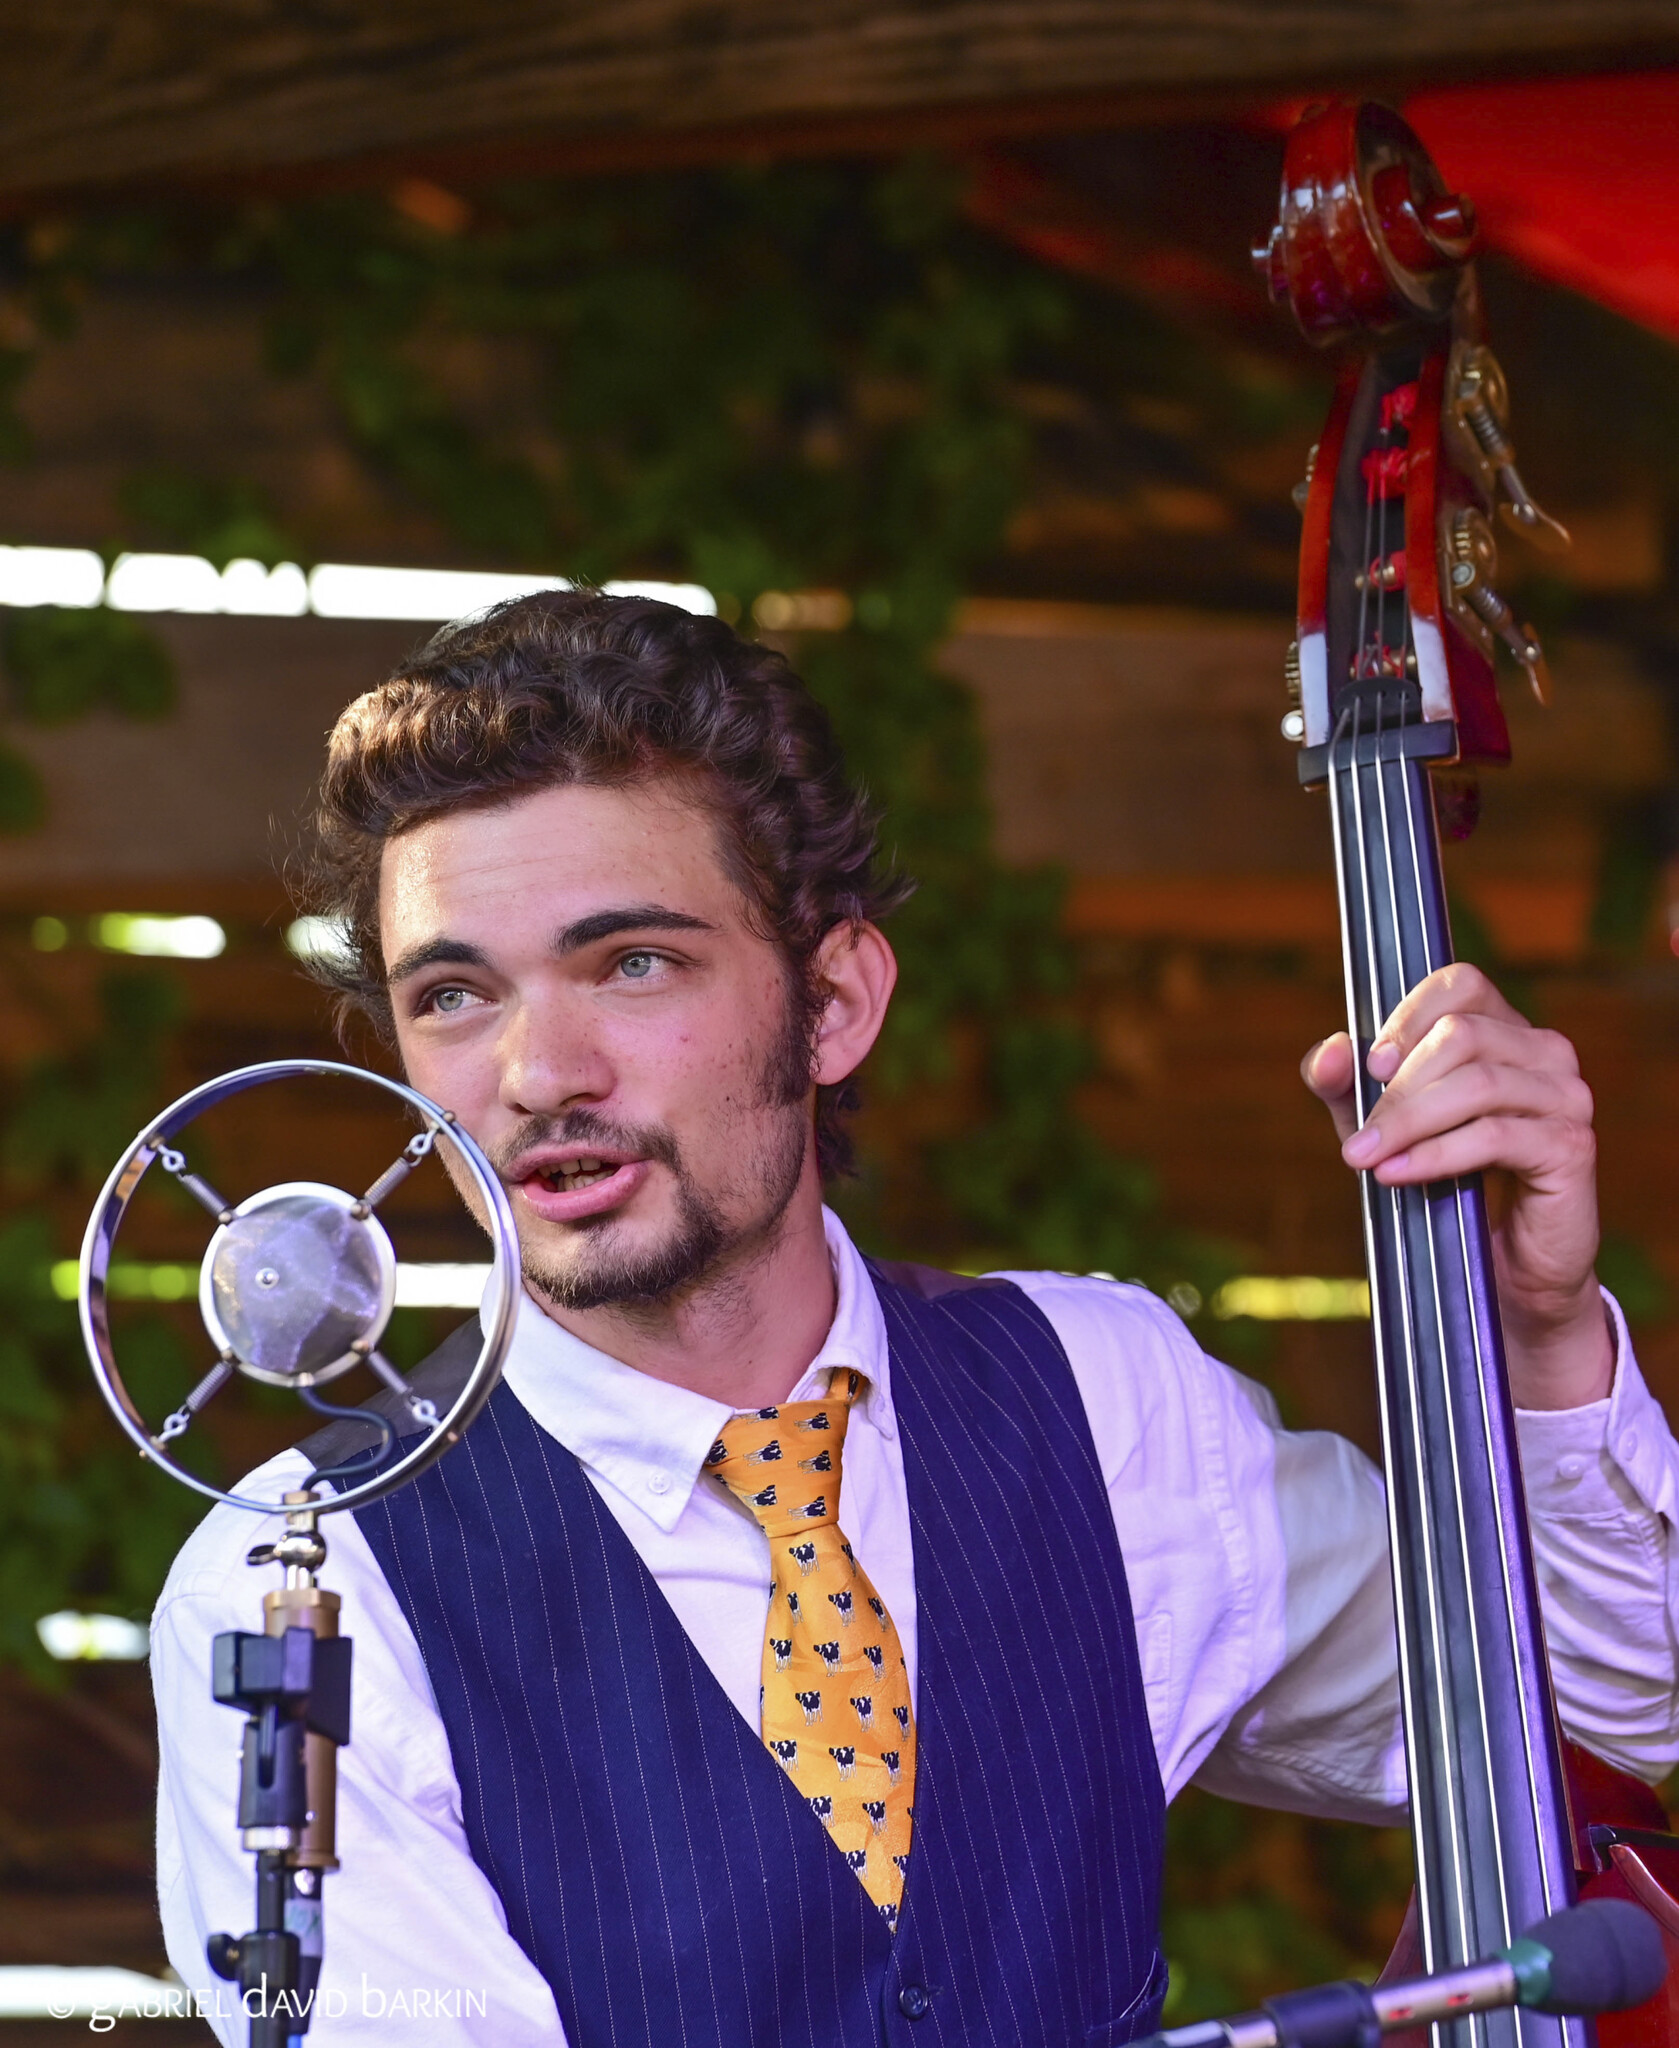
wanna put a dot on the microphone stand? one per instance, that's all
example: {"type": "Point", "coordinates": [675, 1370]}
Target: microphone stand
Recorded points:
{"type": "Point", "coordinates": [293, 1683]}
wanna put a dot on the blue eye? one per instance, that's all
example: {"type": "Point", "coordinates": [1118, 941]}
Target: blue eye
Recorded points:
{"type": "Point", "coordinates": [637, 966]}
{"type": "Point", "coordinates": [448, 1000]}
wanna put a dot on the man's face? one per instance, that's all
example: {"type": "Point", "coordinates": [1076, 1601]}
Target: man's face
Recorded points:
{"type": "Point", "coordinates": [574, 975]}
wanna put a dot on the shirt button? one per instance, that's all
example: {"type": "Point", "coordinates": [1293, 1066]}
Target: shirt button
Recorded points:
{"type": "Point", "coordinates": [913, 2001]}
{"type": "Point", "coordinates": [1629, 1444]}
{"type": "Point", "coordinates": [658, 1482]}
{"type": "Point", "coordinates": [1570, 1468]}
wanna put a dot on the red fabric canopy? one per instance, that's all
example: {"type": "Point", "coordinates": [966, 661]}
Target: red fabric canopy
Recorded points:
{"type": "Point", "coordinates": [1576, 178]}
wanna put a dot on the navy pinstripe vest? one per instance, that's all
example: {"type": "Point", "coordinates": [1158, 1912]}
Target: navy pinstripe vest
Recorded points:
{"type": "Point", "coordinates": [655, 1861]}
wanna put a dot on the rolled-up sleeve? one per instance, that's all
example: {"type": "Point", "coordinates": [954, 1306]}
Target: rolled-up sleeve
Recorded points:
{"type": "Point", "coordinates": [1603, 1497]}
{"type": "Point", "coordinates": [1257, 1560]}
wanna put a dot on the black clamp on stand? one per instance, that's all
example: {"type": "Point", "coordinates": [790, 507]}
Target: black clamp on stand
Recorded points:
{"type": "Point", "coordinates": [294, 1683]}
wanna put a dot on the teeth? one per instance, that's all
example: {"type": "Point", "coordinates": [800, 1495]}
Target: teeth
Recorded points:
{"type": "Point", "coordinates": [580, 1173]}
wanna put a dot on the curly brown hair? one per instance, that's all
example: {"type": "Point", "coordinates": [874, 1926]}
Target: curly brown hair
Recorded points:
{"type": "Point", "coordinates": [578, 687]}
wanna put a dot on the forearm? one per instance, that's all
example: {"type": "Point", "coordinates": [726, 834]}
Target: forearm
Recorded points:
{"type": "Point", "coordinates": [1602, 1482]}
{"type": "Point", "coordinates": [1560, 1348]}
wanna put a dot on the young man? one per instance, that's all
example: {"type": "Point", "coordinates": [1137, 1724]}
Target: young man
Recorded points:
{"type": "Point", "coordinates": [799, 1651]}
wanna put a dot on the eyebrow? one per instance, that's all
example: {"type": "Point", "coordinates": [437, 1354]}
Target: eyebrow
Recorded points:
{"type": "Point", "coordinates": [634, 917]}
{"type": "Point", "coordinates": [456, 952]}
{"type": "Point", "coordinates": [570, 938]}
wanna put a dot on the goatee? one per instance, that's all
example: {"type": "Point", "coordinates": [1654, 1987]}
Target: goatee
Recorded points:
{"type": "Point", "coordinates": [601, 1272]}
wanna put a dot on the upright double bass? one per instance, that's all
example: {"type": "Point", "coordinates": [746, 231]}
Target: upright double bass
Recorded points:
{"type": "Point", "coordinates": [1393, 681]}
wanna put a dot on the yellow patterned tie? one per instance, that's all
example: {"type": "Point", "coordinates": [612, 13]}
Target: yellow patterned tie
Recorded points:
{"type": "Point", "coordinates": [835, 1696]}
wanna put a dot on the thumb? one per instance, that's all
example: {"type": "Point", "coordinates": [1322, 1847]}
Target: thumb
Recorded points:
{"type": "Point", "coordinates": [1328, 1071]}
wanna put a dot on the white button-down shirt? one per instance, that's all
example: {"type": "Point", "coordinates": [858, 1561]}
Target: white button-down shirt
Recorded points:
{"type": "Point", "coordinates": [1258, 1571]}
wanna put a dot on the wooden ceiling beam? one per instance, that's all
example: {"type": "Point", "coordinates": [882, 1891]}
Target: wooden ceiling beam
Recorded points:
{"type": "Point", "coordinates": [101, 95]}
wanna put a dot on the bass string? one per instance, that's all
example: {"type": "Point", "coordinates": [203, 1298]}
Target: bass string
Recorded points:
{"type": "Point", "coordinates": [1403, 1204]}
{"type": "Point", "coordinates": [1395, 1204]}
{"type": "Point", "coordinates": [1553, 1895]}
{"type": "Point", "coordinates": [1390, 1204]}
{"type": "Point", "coordinates": [1340, 768]}
{"type": "Point", "coordinates": [1385, 1202]}
{"type": "Point", "coordinates": [1400, 1203]}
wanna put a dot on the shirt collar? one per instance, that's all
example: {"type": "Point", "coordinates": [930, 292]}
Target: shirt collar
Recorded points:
{"type": "Point", "coordinates": [650, 1439]}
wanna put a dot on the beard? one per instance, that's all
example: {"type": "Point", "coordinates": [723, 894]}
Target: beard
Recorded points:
{"type": "Point", "coordinates": [712, 1228]}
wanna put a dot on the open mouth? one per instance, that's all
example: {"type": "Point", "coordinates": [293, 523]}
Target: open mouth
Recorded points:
{"type": "Point", "coordinates": [578, 1185]}
{"type": "Point", "coordinates": [577, 1173]}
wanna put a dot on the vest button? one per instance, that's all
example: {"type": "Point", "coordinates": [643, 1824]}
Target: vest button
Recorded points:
{"type": "Point", "coordinates": [913, 2001]}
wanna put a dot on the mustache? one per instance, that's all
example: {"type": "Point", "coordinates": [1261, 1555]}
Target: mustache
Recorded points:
{"type": "Point", "coordinates": [582, 1126]}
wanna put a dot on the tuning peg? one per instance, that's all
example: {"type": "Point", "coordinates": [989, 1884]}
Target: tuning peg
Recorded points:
{"type": "Point", "coordinates": [1483, 401]}
{"type": "Point", "coordinates": [1532, 657]}
{"type": "Point", "coordinates": [1474, 564]}
{"type": "Point", "coordinates": [1523, 516]}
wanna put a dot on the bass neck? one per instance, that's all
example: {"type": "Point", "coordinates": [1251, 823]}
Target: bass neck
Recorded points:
{"type": "Point", "coordinates": [1494, 1846]}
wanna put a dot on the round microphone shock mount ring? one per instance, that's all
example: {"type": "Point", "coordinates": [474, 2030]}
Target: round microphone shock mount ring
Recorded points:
{"type": "Point", "coordinates": [298, 1282]}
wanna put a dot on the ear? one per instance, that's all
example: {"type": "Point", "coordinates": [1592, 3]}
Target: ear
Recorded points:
{"type": "Point", "coordinates": [860, 972]}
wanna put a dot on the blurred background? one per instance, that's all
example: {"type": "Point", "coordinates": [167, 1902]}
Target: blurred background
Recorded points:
{"type": "Point", "coordinates": [923, 339]}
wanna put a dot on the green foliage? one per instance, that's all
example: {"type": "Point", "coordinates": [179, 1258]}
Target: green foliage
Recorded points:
{"type": "Point", "coordinates": [758, 378]}
{"type": "Point", "coordinates": [59, 666]}
{"type": "Point", "coordinates": [1628, 881]}
{"type": "Point", "coordinates": [83, 1522]}
{"type": "Point", "coordinates": [63, 664]}
{"type": "Point", "coordinates": [1257, 1903]}
{"type": "Point", "coordinates": [1631, 1275]}
{"type": "Point", "coordinates": [73, 1114]}
{"type": "Point", "coordinates": [23, 799]}
{"type": "Point", "coordinates": [222, 518]}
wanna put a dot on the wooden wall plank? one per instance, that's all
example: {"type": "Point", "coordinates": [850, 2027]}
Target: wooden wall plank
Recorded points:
{"type": "Point", "coordinates": [95, 92]}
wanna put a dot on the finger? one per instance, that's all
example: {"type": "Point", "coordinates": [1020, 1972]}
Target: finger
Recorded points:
{"type": "Point", "coordinates": [1529, 1147]}
{"type": "Point", "coordinates": [1328, 1070]}
{"type": "Point", "coordinates": [1459, 1039]}
{"type": "Point", "coordinates": [1458, 990]}
{"type": "Point", "coordinates": [1467, 1095]}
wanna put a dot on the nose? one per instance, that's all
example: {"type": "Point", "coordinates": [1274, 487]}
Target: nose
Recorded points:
{"type": "Point", "coordinates": [549, 1059]}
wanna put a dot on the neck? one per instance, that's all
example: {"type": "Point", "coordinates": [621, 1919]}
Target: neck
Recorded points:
{"type": "Point", "coordinates": [747, 1331]}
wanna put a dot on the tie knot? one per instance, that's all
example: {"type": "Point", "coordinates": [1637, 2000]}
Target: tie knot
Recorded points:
{"type": "Point", "coordinates": [784, 1462]}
